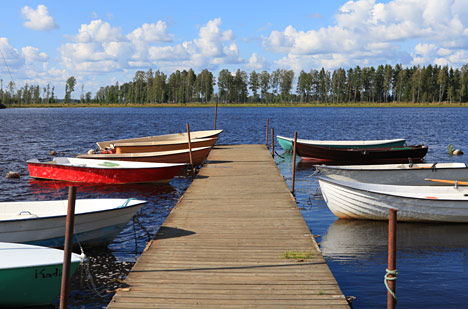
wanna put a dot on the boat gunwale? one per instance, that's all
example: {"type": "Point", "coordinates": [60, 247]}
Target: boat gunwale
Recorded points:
{"type": "Point", "coordinates": [165, 143]}
{"type": "Point", "coordinates": [117, 168]}
{"type": "Point", "coordinates": [140, 204]}
{"type": "Point", "coordinates": [362, 168]}
{"type": "Point", "coordinates": [145, 154]}
{"type": "Point", "coordinates": [322, 143]}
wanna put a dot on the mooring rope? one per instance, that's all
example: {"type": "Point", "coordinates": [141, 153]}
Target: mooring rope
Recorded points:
{"type": "Point", "coordinates": [89, 279]}
{"type": "Point", "coordinates": [386, 278]}
{"type": "Point", "coordinates": [279, 155]}
{"type": "Point", "coordinates": [142, 227]}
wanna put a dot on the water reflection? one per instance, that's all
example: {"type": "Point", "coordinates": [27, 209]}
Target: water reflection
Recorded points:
{"type": "Point", "coordinates": [361, 239]}
{"type": "Point", "coordinates": [49, 189]}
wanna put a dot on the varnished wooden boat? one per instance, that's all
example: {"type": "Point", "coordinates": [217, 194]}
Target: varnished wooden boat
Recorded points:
{"type": "Point", "coordinates": [167, 137]}
{"type": "Point", "coordinates": [135, 147]}
{"type": "Point", "coordinates": [174, 156]}
{"type": "Point", "coordinates": [332, 155]}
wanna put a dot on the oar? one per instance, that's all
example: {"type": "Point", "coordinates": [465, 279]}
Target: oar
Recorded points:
{"type": "Point", "coordinates": [448, 181]}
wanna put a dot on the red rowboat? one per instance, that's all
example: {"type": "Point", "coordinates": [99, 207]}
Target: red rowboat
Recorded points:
{"type": "Point", "coordinates": [174, 156]}
{"type": "Point", "coordinates": [384, 155]}
{"type": "Point", "coordinates": [102, 171]}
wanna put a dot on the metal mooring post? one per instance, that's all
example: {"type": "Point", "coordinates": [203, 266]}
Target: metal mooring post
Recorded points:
{"type": "Point", "coordinates": [272, 142]}
{"type": "Point", "coordinates": [216, 114]}
{"type": "Point", "coordinates": [294, 163]}
{"type": "Point", "coordinates": [391, 275]}
{"type": "Point", "coordinates": [190, 149]}
{"type": "Point", "coordinates": [67, 248]}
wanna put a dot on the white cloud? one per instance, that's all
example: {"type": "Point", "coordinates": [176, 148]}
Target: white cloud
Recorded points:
{"type": "Point", "coordinates": [13, 58]}
{"type": "Point", "coordinates": [98, 31]}
{"type": "Point", "coordinates": [100, 47]}
{"type": "Point", "coordinates": [32, 54]}
{"type": "Point", "coordinates": [179, 52]}
{"type": "Point", "coordinates": [210, 39]}
{"type": "Point", "coordinates": [257, 62]}
{"type": "Point", "coordinates": [38, 19]}
{"type": "Point", "coordinates": [151, 33]}
{"type": "Point", "coordinates": [371, 33]}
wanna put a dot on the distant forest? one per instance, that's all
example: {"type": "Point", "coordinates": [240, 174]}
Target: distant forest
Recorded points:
{"type": "Point", "coordinates": [417, 84]}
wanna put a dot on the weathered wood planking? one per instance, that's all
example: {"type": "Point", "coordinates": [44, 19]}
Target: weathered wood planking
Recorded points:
{"type": "Point", "coordinates": [223, 244]}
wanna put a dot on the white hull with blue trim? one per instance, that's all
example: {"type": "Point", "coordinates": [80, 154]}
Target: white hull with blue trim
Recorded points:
{"type": "Point", "coordinates": [97, 221]}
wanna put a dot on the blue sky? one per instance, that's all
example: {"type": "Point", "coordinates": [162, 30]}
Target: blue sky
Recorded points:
{"type": "Point", "coordinates": [104, 42]}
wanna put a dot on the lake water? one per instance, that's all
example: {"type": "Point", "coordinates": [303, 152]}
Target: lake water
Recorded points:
{"type": "Point", "coordinates": [432, 259]}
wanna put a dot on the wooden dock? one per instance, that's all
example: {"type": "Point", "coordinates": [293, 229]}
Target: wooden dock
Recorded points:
{"type": "Point", "coordinates": [224, 244]}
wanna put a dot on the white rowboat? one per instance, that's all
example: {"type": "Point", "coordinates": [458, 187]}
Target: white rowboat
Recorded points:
{"type": "Point", "coordinates": [358, 200]}
{"type": "Point", "coordinates": [97, 221]}
{"type": "Point", "coordinates": [401, 174]}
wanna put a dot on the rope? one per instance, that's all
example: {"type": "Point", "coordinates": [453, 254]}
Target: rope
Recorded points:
{"type": "Point", "coordinates": [4, 60]}
{"type": "Point", "coordinates": [135, 220]}
{"type": "Point", "coordinates": [386, 278]}
{"type": "Point", "coordinates": [125, 204]}
{"type": "Point", "coordinates": [90, 281]}
{"type": "Point", "coordinates": [279, 155]}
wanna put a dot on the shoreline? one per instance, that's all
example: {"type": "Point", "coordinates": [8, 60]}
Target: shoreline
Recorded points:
{"type": "Point", "coordinates": [182, 105]}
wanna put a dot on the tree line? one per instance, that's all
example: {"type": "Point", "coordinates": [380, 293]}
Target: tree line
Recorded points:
{"type": "Point", "coordinates": [385, 83]}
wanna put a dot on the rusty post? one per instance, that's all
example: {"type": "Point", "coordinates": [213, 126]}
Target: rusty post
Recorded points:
{"type": "Point", "coordinates": [272, 142]}
{"type": "Point", "coordinates": [190, 148]}
{"type": "Point", "coordinates": [391, 270]}
{"type": "Point", "coordinates": [216, 114]}
{"type": "Point", "coordinates": [67, 248]}
{"type": "Point", "coordinates": [266, 140]}
{"type": "Point", "coordinates": [294, 162]}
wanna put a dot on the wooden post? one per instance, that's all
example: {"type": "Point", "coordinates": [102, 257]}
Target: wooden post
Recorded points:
{"type": "Point", "coordinates": [272, 142]}
{"type": "Point", "coordinates": [294, 162]}
{"type": "Point", "coordinates": [392, 222]}
{"type": "Point", "coordinates": [266, 140]}
{"type": "Point", "coordinates": [216, 114]}
{"type": "Point", "coordinates": [190, 148]}
{"type": "Point", "coordinates": [67, 248]}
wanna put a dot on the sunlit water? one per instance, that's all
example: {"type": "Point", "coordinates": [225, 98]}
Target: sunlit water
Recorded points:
{"type": "Point", "coordinates": [432, 260]}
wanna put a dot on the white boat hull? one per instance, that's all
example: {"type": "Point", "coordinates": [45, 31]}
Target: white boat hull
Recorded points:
{"type": "Point", "coordinates": [31, 275]}
{"type": "Point", "coordinates": [43, 223]}
{"type": "Point", "coordinates": [356, 200]}
{"type": "Point", "coordinates": [401, 174]}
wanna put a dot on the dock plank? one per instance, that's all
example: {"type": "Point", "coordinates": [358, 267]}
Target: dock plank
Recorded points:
{"type": "Point", "coordinates": [223, 244]}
